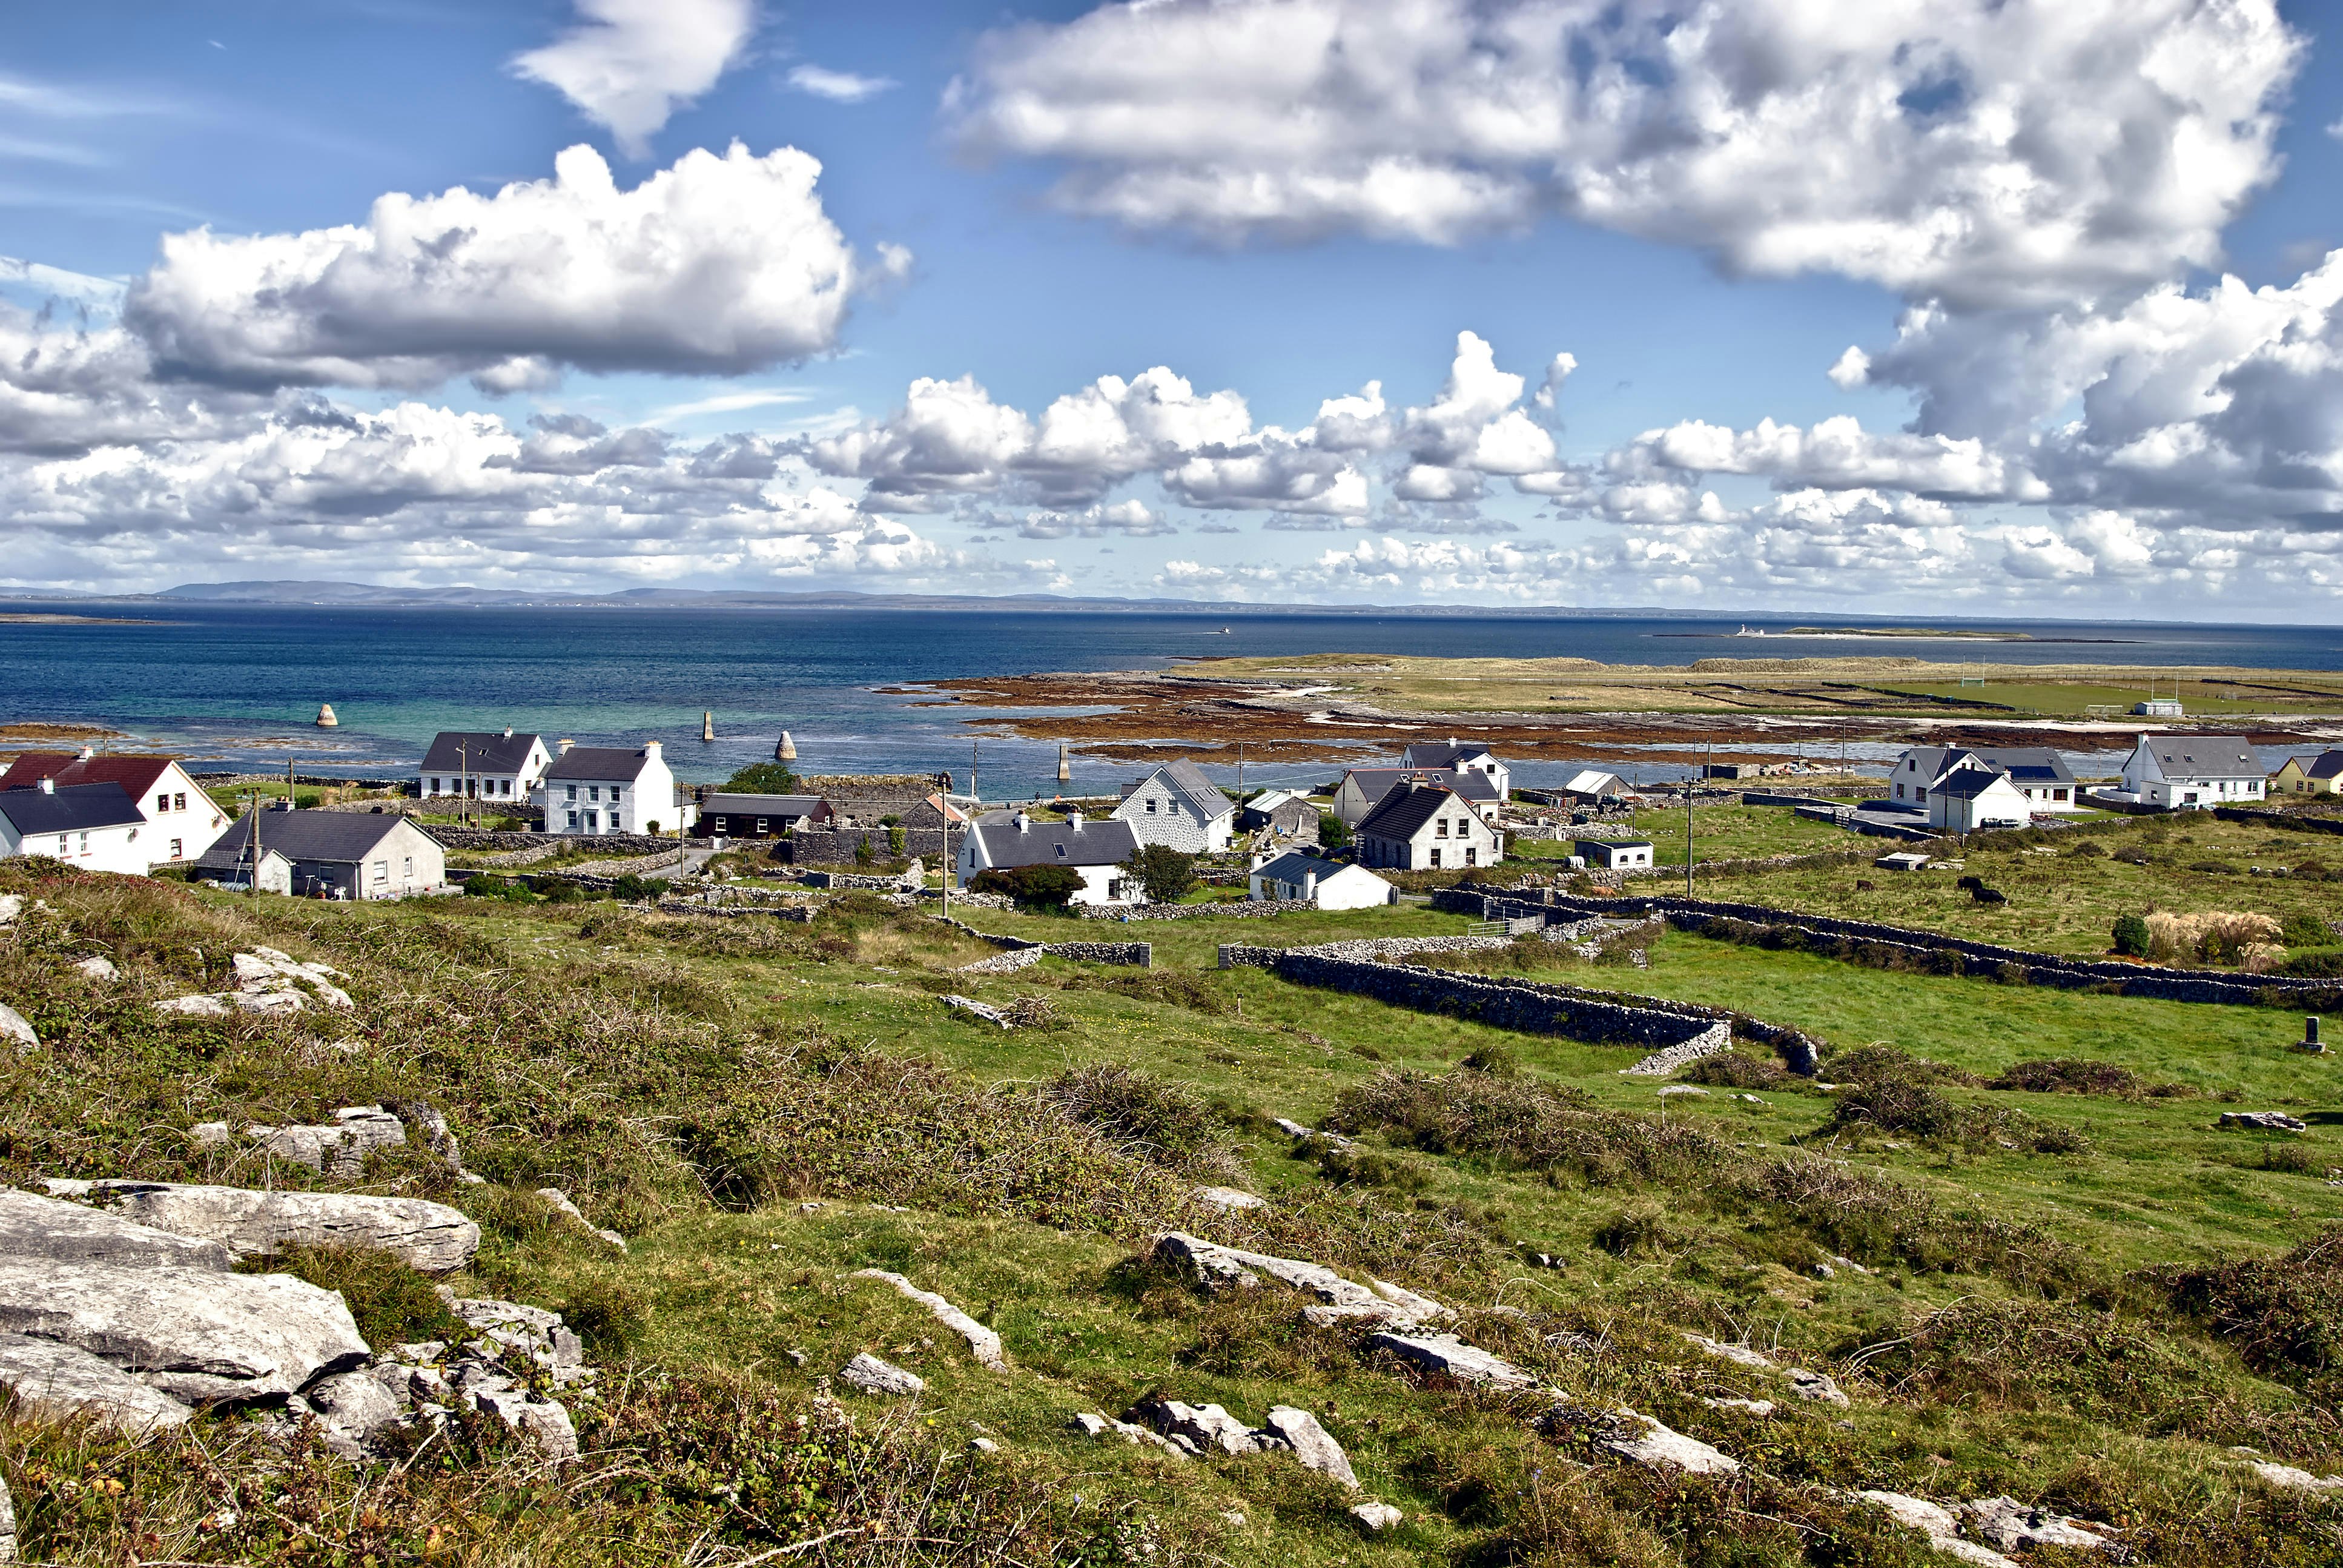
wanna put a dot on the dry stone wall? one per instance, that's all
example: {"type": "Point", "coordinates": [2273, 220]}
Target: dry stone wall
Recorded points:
{"type": "Point", "coordinates": [1980, 960]}
{"type": "Point", "coordinates": [1248, 909]}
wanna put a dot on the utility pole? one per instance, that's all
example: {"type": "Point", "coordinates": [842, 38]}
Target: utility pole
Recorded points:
{"type": "Point", "coordinates": [1240, 769]}
{"type": "Point", "coordinates": [973, 796]}
{"type": "Point", "coordinates": [463, 782]}
{"type": "Point", "coordinates": [252, 879]}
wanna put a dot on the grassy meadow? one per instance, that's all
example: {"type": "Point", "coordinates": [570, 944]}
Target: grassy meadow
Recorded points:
{"type": "Point", "coordinates": [2076, 1299]}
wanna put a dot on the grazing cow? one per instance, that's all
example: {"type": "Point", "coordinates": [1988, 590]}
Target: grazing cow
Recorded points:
{"type": "Point", "coordinates": [1969, 884]}
{"type": "Point", "coordinates": [1984, 895]}
{"type": "Point", "coordinates": [1862, 886]}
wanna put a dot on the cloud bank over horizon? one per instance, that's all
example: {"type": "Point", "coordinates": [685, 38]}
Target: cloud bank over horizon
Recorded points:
{"type": "Point", "coordinates": [2099, 418]}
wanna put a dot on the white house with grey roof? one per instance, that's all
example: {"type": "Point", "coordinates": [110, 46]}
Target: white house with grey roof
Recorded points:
{"type": "Point", "coordinates": [1298, 878]}
{"type": "Point", "coordinates": [89, 826]}
{"type": "Point", "coordinates": [1460, 756]}
{"type": "Point", "coordinates": [1427, 828]}
{"type": "Point", "coordinates": [1974, 797]}
{"type": "Point", "coordinates": [1364, 789]}
{"type": "Point", "coordinates": [1094, 849]}
{"type": "Point", "coordinates": [351, 855]}
{"type": "Point", "coordinates": [2039, 775]}
{"type": "Point", "coordinates": [2193, 772]}
{"type": "Point", "coordinates": [613, 789]}
{"type": "Point", "coordinates": [1178, 806]}
{"type": "Point", "coordinates": [483, 766]}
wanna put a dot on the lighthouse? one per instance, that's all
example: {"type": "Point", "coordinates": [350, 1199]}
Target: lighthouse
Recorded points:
{"type": "Point", "coordinates": [326, 719]}
{"type": "Point", "coordinates": [787, 751]}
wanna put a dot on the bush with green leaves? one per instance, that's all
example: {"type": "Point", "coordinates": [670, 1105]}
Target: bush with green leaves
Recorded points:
{"type": "Point", "coordinates": [1163, 872]}
{"type": "Point", "coordinates": [2131, 937]}
{"type": "Point", "coordinates": [763, 779]}
{"type": "Point", "coordinates": [1334, 833]}
{"type": "Point", "coordinates": [1037, 886]}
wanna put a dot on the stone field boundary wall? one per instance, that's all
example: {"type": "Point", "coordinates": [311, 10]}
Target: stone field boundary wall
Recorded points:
{"type": "Point", "coordinates": [628, 844]}
{"type": "Point", "coordinates": [1247, 909]}
{"type": "Point", "coordinates": [1985, 960]}
{"type": "Point", "coordinates": [836, 846]}
{"type": "Point", "coordinates": [1680, 1033]}
{"type": "Point", "coordinates": [1133, 955]}
{"type": "Point", "coordinates": [2286, 821]}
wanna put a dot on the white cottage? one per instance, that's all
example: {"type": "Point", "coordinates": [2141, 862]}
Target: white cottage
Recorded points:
{"type": "Point", "coordinates": [612, 789]}
{"type": "Point", "coordinates": [182, 820]}
{"type": "Point", "coordinates": [2193, 772]}
{"type": "Point", "coordinates": [483, 766]}
{"type": "Point", "coordinates": [1615, 854]}
{"type": "Point", "coordinates": [1427, 828]}
{"type": "Point", "coordinates": [2039, 775]}
{"type": "Point", "coordinates": [89, 826]}
{"type": "Point", "coordinates": [1971, 798]}
{"type": "Point", "coordinates": [1296, 878]}
{"type": "Point", "coordinates": [1096, 851]}
{"type": "Point", "coordinates": [1460, 756]}
{"type": "Point", "coordinates": [1178, 806]}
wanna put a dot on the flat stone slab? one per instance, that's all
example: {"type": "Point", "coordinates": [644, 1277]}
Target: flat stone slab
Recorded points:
{"type": "Point", "coordinates": [13, 1027]}
{"type": "Point", "coordinates": [982, 1342]}
{"type": "Point", "coordinates": [1448, 1355]}
{"type": "Point", "coordinates": [1641, 1439]}
{"type": "Point", "coordinates": [32, 1226]}
{"type": "Point", "coordinates": [2262, 1121]}
{"type": "Point", "coordinates": [428, 1236]}
{"type": "Point", "coordinates": [1196, 1428]}
{"type": "Point", "coordinates": [195, 1335]}
{"type": "Point", "coordinates": [1377, 1517]}
{"type": "Point", "coordinates": [1214, 1266]}
{"type": "Point", "coordinates": [1739, 1355]}
{"type": "Point", "coordinates": [58, 1381]}
{"type": "Point", "coordinates": [1937, 1523]}
{"type": "Point", "coordinates": [1311, 1443]}
{"type": "Point", "coordinates": [1102, 1427]}
{"type": "Point", "coordinates": [2014, 1526]}
{"type": "Point", "coordinates": [872, 1375]}
{"type": "Point", "coordinates": [2286, 1478]}
{"type": "Point", "coordinates": [1227, 1198]}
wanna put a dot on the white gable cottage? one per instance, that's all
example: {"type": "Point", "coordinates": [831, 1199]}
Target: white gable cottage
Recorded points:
{"type": "Point", "coordinates": [1460, 756]}
{"type": "Point", "coordinates": [2193, 772]}
{"type": "Point", "coordinates": [1427, 828]}
{"type": "Point", "coordinates": [483, 766]}
{"type": "Point", "coordinates": [612, 789]}
{"type": "Point", "coordinates": [2039, 775]}
{"type": "Point", "coordinates": [1178, 806]}
{"type": "Point", "coordinates": [89, 826]}
{"type": "Point", "coordinates": [181, 820]}
{"type": "Point", "coordinates": [1295, 877]}
{"type": "Point", "coordinates": [1096, 851]}
{"type": "Point", "coordinates": [346, 855]}
{"type": "Point", "coordinates": [1974, 797]}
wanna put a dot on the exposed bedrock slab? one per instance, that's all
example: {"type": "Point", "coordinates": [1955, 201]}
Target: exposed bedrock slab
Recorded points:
{"type": "Point", "coordinates": [193, 1334]}
{"type": "Point", "coordinates": [58, 1381]}
{"type": "Point", "coordinates": [1311, 1443]}
{"type": "Point", "coordinates": [428, 1236]}
{"type": "Point", "coordinates": [1215, 1266]}
{"type": "Point", "coordinates": [1640, 1438]}
{"type": "Point", "coordinates": [1937, 1523]}
{"type": "Point", "coordinates": [32, 1226]}
{"type": "Point", "coordinates": [872, 1375]}
{"type": "Point", "coordinates": [1448, 1355]}
{"type": "Point", "coordinates": [982, 1342]}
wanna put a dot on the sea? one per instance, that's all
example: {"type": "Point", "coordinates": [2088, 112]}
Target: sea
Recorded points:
{"type": "Point", "coordinates": [237, 686]}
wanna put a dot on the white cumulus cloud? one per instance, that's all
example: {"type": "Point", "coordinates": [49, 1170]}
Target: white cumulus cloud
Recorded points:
{"type": "Point", "coordinates": [838, 87]}
{"type": "Point", "coordinates": [630, 64]}
{"type": "Point", "coordinates": [717, 264]}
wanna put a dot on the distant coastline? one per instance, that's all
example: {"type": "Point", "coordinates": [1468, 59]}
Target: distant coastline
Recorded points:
{"type": "Point", "coordinates": [14, 617]}
{"type": "Point", "coordinates": [1883, 634]}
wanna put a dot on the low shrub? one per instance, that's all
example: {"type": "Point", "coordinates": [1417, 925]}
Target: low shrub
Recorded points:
{"type": "Point", "coordinates": [1161, 1124]}
{"type": "Point", "coordinates": [1738, 1070]}
{"type": "Point", "coordinates": [2131, 935]}
{"type": "Point", "coordinates": [391, 1302]}
{"type": "Point", "coordinates": [1522, 1122]}
{"type": "Point", "coordinates": [2070, 1075]}
{"type": "Point", "coordinates": [2284, 1314]}
{"type": "Point", "coordinates": [2306, 931]}
{"type": "Point", "coordinates": [1862, 1063]}
{"type": "Point", "coordinates": [1176, 988]}
{"type": "Point", "coordinates": [1879, 1221]}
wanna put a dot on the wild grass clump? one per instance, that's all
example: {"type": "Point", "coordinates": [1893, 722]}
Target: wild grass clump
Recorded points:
{"type": "Point", "coordinates": [391, 1302]}
{"type": "Point", "coordinates": [2284, 1314]}
{"type": "Point", "coordinates": [1525, 1123]}
{"type": "Point", "coordinates": [1173, 988]}
{"type": "Point", "coordinates": [1865, 1063]}
{"type": "Point", "coordinates": [1916, 1110]}
{"type": "Point", "coordinates": [1739, 1070]}
{"type": "Point", "coordinates": [1142, 1115]}
{"type": "Point", "coordinates": [2073, 1075]}
{"type": "Point", "coordinates": [1882, 1222]}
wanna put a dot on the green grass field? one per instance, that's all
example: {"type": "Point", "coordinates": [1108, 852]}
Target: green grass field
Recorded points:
{"type": "Point", "coordinates": [732, 1095]}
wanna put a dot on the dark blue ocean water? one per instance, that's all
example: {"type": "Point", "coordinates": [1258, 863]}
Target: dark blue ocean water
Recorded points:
{"type": "Point", "coordinates": [239, 684]}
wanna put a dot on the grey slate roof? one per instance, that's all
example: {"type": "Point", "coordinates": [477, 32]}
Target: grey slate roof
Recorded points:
{"type": "Point", "coordinates": [2036, 765]}
{"type": "Point", "coordinates": [1204, 797]}
{"type": "Point", "coordinates": [1967, 783]}
{"type": "Point", "coordinates": [2203, 755]}
{"type": "Point", "coordinates": [2325, 765]}
{"type": "Point", "coordinates": [1441, 754]}
{"type": "Point", "coordinates": [490, 751]}
{"type": "Point", "coordinates": [73, 808]}
{"type": "Point", "coordinates": [1403, 812]}
{"type": "Point", "coordinates": [760, 805]}
{"type": "Point", "coordinates": [334, 836]}
{"type": "Point", "coordinates": [597, 762]}
{"type": "Point", "coordinates": [1099, 841]}
{"type": "Point", "coordinates": [1377, 783]}
{"type": "Point", "coordinates": [1294, 866]}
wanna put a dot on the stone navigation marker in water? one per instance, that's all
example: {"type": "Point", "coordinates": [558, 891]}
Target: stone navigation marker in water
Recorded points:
{"type": "Point", "coordinates": [787, 751]}
{"type": "Point", "coordinates": [326, 719]}
{"type": "Point", "coordinates": [707, 724]}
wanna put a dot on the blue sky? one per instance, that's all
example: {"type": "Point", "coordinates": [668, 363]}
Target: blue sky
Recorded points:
{"type": "Point", "coordinates": [2022, 216]}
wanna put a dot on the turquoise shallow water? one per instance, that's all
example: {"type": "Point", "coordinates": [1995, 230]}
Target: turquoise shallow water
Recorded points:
{"type": "Point", "coordinates": [240, 684]}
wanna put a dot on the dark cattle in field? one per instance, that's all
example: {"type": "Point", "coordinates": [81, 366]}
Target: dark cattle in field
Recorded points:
{"type": "Point", "coordinates": [1862, 886]}
{"type": "Point", "coordinates": [1984, 895]}
{"type": "Point", "coordinates": [1969, 884]}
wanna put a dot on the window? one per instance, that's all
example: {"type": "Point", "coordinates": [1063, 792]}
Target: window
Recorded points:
{"type": "Point", "coordinates": [85, 843]}
{"type": "Point", "coordinates": [163, 802]}
{"type": "Point", "coordinates": [573, 821]}
{"type": "Point", "coordinates": [382, 870]}
{"type": "Point", "coordinates": [573, 795]}
{"type": "Point", "coordinates": [438, 787]}
{"type": "Point", "coordinates": [1440, 828]}
{"type": "Point", "coordinates": [1062, 852]}
{"type": "Point", "coordinates": [720, 822]}
{"type": "Point", "coordinates": [1471, 857]}
{"type": "Point", "coordinates": [407, 868]}
{"type": "Point", "coordinates": [593, 791]}
{"type": "Point", "coordinates": [760, 826]}
{"type": "Point", "coordinates": [614, 791]}
{"type": "Point", "coordinates": [177, 851]}
{"type": "Point", "coordinates": [1151, 805]}
{"type": "Point", "coordinates": [179, 802]}
{"type": "Point", "coordinates": [1435, 858]}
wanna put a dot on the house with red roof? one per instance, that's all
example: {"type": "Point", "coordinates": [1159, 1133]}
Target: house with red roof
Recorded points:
{"type": "Point", "coordinates": [180, 820]}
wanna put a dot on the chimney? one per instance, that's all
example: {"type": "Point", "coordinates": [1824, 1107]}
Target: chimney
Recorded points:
{"type": "Point", "coordinates": [1075, 820]}
{"type": "Point", "coordinates": [566, 743]}
{"type": "Point", "coordinates": [651, 750]}
{"type": "Point", "coordinates": [48, 785]}
{"type": "Point", "coordinates": [85, 753]}
{"type": "Point", "coordinates": [1022, 821]}
{"type": "Point", "coordinates": [508, 732]}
